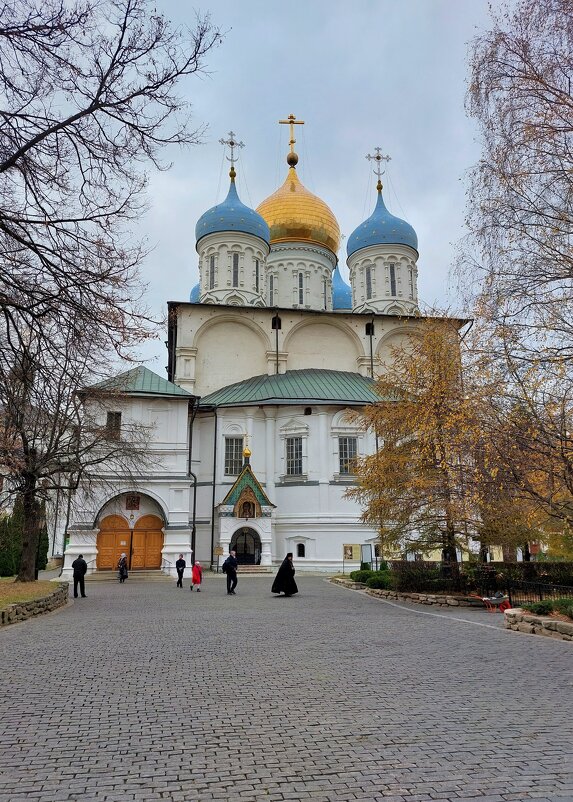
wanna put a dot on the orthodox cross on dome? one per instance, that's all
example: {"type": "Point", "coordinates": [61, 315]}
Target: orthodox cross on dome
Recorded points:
{"type": "Point", "coordinates": [292, 158]}
{"type": "Point", "coordinates": [232, 143]}
{"type": "Point", "coordinates": [378, 158]}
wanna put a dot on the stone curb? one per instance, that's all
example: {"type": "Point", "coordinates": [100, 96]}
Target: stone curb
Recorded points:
{"type": "Point", "coordinates": [24, 610]}
{"type": "Point", "coordinates": [436, 600]}
{"type": "Point", "coordinates": [520, 620]}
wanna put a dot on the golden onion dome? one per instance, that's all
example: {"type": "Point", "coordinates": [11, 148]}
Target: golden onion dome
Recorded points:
{"type": "Point", "coordinates": [294, 213]}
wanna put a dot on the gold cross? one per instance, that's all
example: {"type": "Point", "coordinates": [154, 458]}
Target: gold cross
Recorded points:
{"type": "Point", "coordinates": [292, 121]}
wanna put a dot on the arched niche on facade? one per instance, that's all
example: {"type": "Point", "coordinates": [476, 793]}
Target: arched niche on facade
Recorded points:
{"type": "Point", "coordinates": [395, 338]}
{"type": "Point", "coordinates": [330, 346]}
{"type": "Point", "coordinates": [243, 343]}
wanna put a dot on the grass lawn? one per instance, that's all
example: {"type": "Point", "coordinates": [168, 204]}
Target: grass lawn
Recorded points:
{"type": "Point", "coordinates": [12, 592]}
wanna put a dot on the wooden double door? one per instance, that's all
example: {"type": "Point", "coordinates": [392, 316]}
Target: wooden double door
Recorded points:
{"type": "Point", "coordinates": [142, 545]}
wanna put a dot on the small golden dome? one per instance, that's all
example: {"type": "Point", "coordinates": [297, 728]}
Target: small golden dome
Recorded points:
{"type": "Point", "coordinates": [294, 213]}
{"type": "Point", "coordinates": [246, 451]}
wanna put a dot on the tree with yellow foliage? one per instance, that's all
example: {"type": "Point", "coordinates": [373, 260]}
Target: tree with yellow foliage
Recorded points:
{"type": "Point", "coordinates": [441, 474]}
{"type": "Point", "coordinates": [413, 487]}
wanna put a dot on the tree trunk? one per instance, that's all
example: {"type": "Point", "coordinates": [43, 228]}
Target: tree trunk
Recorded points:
{"type": "Point", "coordinates": [526, 553]}
{"type": "Point", "coordinates": [30, 532]}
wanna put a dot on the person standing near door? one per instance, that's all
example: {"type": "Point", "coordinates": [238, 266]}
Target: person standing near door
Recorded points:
{"type": "Point", "coordinates": [122, 567]}
{"type": "Point", "coordinates": [180, 566]}
{"type": "Point", "coordinates": [230, 567]}
{"type": "Point", "coordinates": [79, 568]}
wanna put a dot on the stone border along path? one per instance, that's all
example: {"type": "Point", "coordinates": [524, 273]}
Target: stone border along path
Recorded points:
{"type": "Point", "coordinates": [22, 611]}
{"type": "Point", "coordinates": [144, 692]}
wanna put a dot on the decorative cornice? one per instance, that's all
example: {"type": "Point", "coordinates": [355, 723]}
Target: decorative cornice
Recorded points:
{"type": "Point", "coordinates": [287, 246]}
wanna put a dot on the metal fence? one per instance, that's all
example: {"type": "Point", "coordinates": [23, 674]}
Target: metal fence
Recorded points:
{"type": "Point", "coordinates": [520, 591]}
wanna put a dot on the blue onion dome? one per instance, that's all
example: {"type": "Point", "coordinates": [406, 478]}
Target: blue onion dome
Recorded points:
{"type": "Point", "coordinates": [341, 292]}
{"type": "Point", "coordinates": [195, 293]}
{"type": "Point", "coordinates": [232, 215]}
{"type": "Point", "coordinates": [381, 228]}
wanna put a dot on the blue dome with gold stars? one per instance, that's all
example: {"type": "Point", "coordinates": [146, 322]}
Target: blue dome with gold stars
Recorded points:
{"type": "Point", "coordinates": [232, 215]}
{"type": "Point", "coordinates": [381, 228]}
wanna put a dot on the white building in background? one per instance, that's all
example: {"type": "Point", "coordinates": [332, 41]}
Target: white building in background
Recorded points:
{"type": "Point", "coordinates": [254, 448]}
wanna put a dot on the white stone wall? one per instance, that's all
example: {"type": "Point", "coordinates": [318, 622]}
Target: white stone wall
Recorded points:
{"type": "Point", "coordinates": [312, 510]}
{"type": "Point", "coordinates": [161, 481]}
{"type": "Point", "coordinates": [221, 345]}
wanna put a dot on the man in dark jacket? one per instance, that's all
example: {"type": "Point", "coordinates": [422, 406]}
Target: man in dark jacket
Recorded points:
{"type": "Point", "coordinates": [79, 567]}
{"type": "Point", "coordinates": [230, 567]}
{"type": "Point", "coordinates": [180, 566]}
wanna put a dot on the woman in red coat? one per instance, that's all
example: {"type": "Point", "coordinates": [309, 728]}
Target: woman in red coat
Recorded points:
{"type": "Point", "coordinates": [196, 576]}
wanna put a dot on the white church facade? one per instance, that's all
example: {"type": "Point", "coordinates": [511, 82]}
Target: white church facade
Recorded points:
{"type": "Point", "coordinates": [250, 440]}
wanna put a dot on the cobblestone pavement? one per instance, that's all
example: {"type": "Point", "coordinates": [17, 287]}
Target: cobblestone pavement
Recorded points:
{"type": "Point", "coordinates": [146, 692]}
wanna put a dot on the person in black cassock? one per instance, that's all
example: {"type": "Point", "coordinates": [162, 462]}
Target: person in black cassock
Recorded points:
{"type": "Point", "coordinates": [79, 567]}
{"type": "Point", "coordinates": [284, 580]}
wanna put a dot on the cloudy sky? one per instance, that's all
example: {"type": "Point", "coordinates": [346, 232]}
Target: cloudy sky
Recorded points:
{"type": "Point", "coordinates": [362, 74]}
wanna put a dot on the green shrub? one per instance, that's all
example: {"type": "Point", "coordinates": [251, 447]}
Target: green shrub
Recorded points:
{"type": "Point", "coordinates": [379, 581]}
{"type": "Point", "coordinates": [361, 576]}
{"type": "Point", "coordinates": [564, 606]}
{"type": "Point", "coordinates": [365, 566]}
{"type": "Point", "coordinates": [540, 607]}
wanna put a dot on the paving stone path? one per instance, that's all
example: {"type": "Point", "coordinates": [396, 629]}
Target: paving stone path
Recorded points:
{"type": "Point", "coordinates": [146, 692]}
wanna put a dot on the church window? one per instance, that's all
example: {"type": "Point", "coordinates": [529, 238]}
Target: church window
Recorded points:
{"type": "Point", "coordinates": [368, 282]}
{"type": "Point", "coordinates": [211, 272]}
{"type": "Point", "coordinates": [347, 450]}
{"type": "Point", "coordinates": [257, 275]}
{"type": "Point", "coordinates": [392, 279]}
{"type": "Point", "coordinates": [294, 456]}
{"type": "Point", "coordinates": [301, 289]}
{"type": "Point", "coordinates": [411, 283]}
{"type": "Point", "coordinates": [113, 425]}
{"type": "Point", "coordinates": [233, 456]}
{"type": "Point", "coordinates": [235, 270]}
{"type": "Point", "coordinates": [324, 305]}
{"type": "Point", "coordinates": [300, 549]}
{"type": "Point", "coordinates": [271, 290]}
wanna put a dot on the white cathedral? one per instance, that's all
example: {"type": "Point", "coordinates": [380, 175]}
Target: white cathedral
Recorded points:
{"type": "Point", "coordinates": [250, 440]}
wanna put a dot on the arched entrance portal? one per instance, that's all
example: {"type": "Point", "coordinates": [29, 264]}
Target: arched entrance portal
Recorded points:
{"type": "Point", "coordinates": [142, 546]}
{"type": "Point", "coordinates": [247, 544]}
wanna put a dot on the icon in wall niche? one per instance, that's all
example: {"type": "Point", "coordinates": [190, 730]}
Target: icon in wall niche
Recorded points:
{"type": "Point", "coordinates": [132, 502]}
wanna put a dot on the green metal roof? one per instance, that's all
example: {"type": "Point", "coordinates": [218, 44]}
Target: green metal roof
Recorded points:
{"type": "Point", "coordinates": [141, 381]}
{"type": "Point", "coordinates": [247, 479]}
{"type": "Point", "coordinates": [311, 386]}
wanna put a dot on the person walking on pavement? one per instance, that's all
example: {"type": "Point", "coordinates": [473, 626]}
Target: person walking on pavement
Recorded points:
{"type": "Point", "coordinates": [196, 576]}
{"type": "Point", "coordinates": [122, 567]}
{"type": "Point", "coordinates": [180, 566]}
{"type": "Point", "coordinates": [79, 567]}
{"type": "Point", "coordinates": [284, 580]}
{"type": "Point", "coordinates": [230, 568]}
